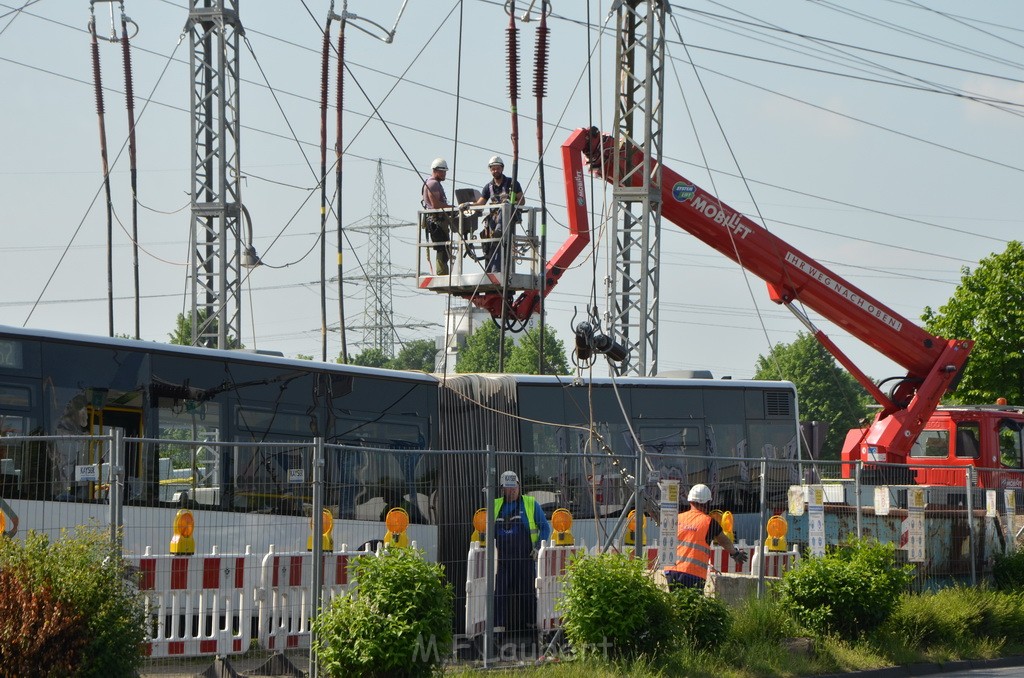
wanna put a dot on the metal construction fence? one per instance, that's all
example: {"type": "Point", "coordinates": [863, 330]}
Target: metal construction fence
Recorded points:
{"type": "Point", "coordinates": [234, 566]}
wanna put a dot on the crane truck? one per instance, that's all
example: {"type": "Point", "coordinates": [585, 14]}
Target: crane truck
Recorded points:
{"type": "Point", "coordinates": [912, 439]}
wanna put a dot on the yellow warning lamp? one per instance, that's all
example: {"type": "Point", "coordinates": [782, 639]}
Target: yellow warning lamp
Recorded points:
{"type": "Point", "coordinates": [561, 522]}
{"type": "Point", "coordinates": [728, 523]}
{"type": "Point", "coordinates": [3, 523]}
{"type": "Point", "coordinates": [777, 528]}
{"type": "Point", "coordinates": [182, 543]}
{"type": "Point", "coordinates": [326, 532]}
{"type": "Point", "coordinates": [480, 527]}
{"type": "Point", "coordinates": [631, 529]}
{"type": "Point", "coordinates": [397, 521]}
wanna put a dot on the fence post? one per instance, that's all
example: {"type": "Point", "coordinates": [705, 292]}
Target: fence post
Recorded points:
{"type": "Point", "coordinates": [115, 493]}
{"type": "Point", "coordinates": [969, 483]}
{"type": "Point", "coordinates": [639, 506]}
{"type": "Point", "coordinates": [492, 473]}
{"type": "Point", "coordinates": [316, 585]}
{"type": "Point", "coordinates": [761, 527]}
{"type": "Point", "coordinates": [856, 490]}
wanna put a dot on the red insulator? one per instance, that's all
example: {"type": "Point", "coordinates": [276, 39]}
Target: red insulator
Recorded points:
{"type": "Point", "coordinates": [513, 59]}
{"type": "Point", "coordinates": [96, 70]}
{"type": "Point", "coordinates": [129, 89]}
{"type": "Point", "coordinates": [341, 68]}
{"type": "Point", "coordinates": [540, 73]}
{"type": "Point", "coordinates": [340, 96]}
{"type": "Point", "coordinates": [325, 58]}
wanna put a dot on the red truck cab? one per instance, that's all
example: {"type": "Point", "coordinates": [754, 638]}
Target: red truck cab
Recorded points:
{"type": "Point", "coordinates": [987, 437]}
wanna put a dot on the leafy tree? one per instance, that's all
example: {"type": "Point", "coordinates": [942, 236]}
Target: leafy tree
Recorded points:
{"type": "Point", "coordinates": [522, 359]}
{"type": "Point", "coordinates": [826, 391]}
{"type": "Point", "coordinates": [182, 334]}
{"type": "Point", "coordinates": [416, 355]}
{"type": "Point", "coordinates": [988, 307]}
{"type": "Point", "coordinates": [481, 351]}
{"type": "Point", "coordinates": [371, 357]}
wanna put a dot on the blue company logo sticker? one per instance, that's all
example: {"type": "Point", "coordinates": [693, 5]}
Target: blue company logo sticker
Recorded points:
{"type": "Point", "coordinates": [683, 192]}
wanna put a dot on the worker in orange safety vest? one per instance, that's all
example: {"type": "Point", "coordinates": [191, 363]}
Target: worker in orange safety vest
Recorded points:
{"type": "Point", "coordinates": [696, 530]}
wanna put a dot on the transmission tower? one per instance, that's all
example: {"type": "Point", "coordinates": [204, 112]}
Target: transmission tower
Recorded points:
{"type": "Point", "coordinates": [379, 329]}
{"type": "Point", "coordinates": [635, 265]}
{"type": "Point", "coordinates": [216, 254]}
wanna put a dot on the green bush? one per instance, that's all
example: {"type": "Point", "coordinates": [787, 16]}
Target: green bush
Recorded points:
{"type": "Point", "coordinates": [398, 623]}
{"type": "Point", "coordinates": [703, 621]}
{"type": "Point", "coordinates": [1008, 571]}
{"type": "Point", "coordinates": [85, 574]}
{"type": "Point", "coordinates": [612, 608]}
{"type": "Point", "coordinates": [955, 618]}
{"type": "Point", "coordinates": [849, 591]}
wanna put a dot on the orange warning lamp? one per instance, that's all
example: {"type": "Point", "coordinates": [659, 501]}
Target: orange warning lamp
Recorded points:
{"type": "Point", "coordinates": [397, 522]}
{"type": "Point", "coordinates": [777, 529]}
{"type": "Point", "coordinates": [3, 522]}
{"type": "Point", "coordinates": [480, 527]}
{"type": "Point", "coordinates": [728, 522]}
{"type": "Point", "coordinates": [1000, 401]}
{"type": "Point", "coordinates": [326, 532]}
{"type": "Point", "coordinates": [561, 522]}
{"type": "Point", "coordinates": [631, 529]}
{"type": "Point", "coordinates": [182, 543]}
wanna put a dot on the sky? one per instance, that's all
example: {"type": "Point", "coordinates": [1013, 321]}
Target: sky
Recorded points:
{"type": "Point", "coordinates": [883, 138]}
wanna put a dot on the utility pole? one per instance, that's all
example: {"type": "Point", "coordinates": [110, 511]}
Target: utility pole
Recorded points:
{"type": "Point", "coordinates": [633, 281]}
{"type": "Point", "coordinates": [216, 252]}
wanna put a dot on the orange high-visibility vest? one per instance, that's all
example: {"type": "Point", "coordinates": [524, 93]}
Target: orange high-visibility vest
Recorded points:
{"type": "Point", "coordinates": [693, 553]}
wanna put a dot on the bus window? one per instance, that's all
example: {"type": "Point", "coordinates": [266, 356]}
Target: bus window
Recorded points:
{"type": "Point", "coordinates": [193, 465]}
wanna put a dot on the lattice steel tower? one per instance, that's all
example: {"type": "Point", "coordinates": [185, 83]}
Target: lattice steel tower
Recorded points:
{"type": "Point", "coordinates": [379, 331]}
{"type": "Point", "coordinates": [215, 263]}
{"type": "Point", "coordinates": [635, 266]}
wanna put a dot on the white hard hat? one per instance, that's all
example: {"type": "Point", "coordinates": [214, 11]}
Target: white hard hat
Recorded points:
{"type": "Point", "coordinates": [509, 479]}
{"type": "Point", "coordinates": [439, 164]}
{"type": "Point", "coordinates": [495, 160]}
{"type": "Point", "coordinates": [699, 494]}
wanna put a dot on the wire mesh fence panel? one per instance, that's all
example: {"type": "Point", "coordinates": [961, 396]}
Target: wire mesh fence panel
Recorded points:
{"type": "Point", "coordinates": [219, 536]}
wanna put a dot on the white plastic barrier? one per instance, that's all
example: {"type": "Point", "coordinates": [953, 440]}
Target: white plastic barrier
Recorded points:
{"type": "Point", "coordinates": [476, 590]}
{"type": "Point", "coordinates": [776, 563]}
{"type": "Point", "coordinates": [202, 605]}
{"type": "Point", "coordinates": [551, 564]}
{"type": "Point", "coordinates": [285, 603]}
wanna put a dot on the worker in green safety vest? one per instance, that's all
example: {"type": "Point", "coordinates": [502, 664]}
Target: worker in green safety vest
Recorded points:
{"type": "Point", "coordinates": [520, 526]}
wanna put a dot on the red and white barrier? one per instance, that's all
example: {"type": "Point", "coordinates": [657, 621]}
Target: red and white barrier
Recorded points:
{"type": "Point", "coordinates": [284, 596]}
{"type": "Point", "coordinates": [476, 590]}
{"type": "Point", "coordinates": [723, 563]}
{"type": "Point", "coordinates": [201, 605]}
{"type": "Point", "coordinates": [551, 564]}
{"type": "Point", "coordinates": [776, 563]}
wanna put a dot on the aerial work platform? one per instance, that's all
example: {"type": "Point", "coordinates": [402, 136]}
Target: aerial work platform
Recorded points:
{"type": "Point", "coordinates": [468, 245]}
